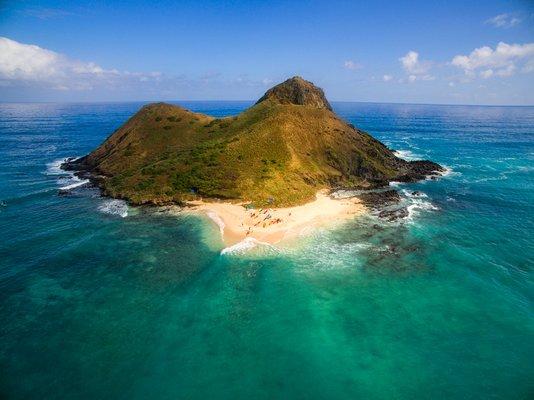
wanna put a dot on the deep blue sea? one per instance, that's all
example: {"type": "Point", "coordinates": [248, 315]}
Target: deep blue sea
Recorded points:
{"type": "Point", "coordinates": [102, 301]}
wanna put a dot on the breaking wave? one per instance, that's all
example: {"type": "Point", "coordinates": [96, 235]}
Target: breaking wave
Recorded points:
{"type": "Point", "coordinates": [66, 180]}
{"type": "Point", "coordinates": [54, 167]}
{"type": "Point", "coordinates": [246, 245]}
{"type": "Point", "coordinates": [77, 182]}
{"type": "Point", "coordinates": [418, 203]}
{"type": "Point", "coordinates": [449, 172]}
{"type": "Point", "coordinates": [408, 155]}
{"type": "Point", "coordinates": [114, 207]}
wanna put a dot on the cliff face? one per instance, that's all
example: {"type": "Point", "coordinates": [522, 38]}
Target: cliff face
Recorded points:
{"type": "Point", "coordinates": [280, 152]}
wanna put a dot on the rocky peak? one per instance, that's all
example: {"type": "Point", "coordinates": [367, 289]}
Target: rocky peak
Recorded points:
{"type": "Point", "coordinates": [297, 91]}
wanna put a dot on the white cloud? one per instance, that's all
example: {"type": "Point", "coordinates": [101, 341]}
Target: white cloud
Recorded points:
{"type": "Point", "coordinates": [505, 20]}
{"type": "Point", "coordinates": [26, 64]}
{"type": "Point", "coordinates": [387, 78]}
{"type": "Point", "coordinates": [415, 68]}
{"type": "Point", "coordinates": [502, 61]}
{"type": "Point", "coordinates": [30, 72]}
{"type": "Point", "coordinates": [413, 65]}
{"type": "Point", "coordinates": [349, 64]}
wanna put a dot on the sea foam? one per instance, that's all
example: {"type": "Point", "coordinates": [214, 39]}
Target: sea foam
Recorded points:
{"type": "Point", "coordinates": [246, 245]}
{"type": "Point", "coordinates": [407, 155]}
{"type": "Point", "coordinates": [418, 205]}
{"type": "Point", "coordinates": [54, 167]}
{"type": "Point", "coordinates": [215, 218]}
{"type": "Point", "coordinates": [66, 180]}
{"type": "Point", "coordinates": [114, 207]}
{"type": "Point", "coordinates": [448, 172]}
{"type": "Point", "coordinates": [77, 182]}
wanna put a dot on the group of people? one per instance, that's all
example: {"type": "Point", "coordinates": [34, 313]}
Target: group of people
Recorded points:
{"type": "Point", "coordinates": [264, 219]}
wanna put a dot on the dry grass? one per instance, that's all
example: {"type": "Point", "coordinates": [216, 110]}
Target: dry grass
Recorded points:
{"type": "Point", "coordinates": [278, 154]}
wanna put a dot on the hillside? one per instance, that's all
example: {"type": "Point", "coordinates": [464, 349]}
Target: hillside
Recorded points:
{"type": "Point", "coordinates": [280, 151]}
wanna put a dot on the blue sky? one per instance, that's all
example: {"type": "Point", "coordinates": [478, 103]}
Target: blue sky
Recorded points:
{"type": "Point", "coordinates": [453, 52]}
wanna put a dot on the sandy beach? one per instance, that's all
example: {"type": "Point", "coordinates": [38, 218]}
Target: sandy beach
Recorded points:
{"type": "Point", "coordinates": [273, 225]}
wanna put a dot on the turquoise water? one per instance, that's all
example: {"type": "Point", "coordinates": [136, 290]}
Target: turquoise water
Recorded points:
{"type": "Point", "coordinates": [101, 301]}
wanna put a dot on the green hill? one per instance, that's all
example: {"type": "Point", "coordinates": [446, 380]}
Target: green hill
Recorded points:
{"type": "Point", "coordinates": [280, 151]}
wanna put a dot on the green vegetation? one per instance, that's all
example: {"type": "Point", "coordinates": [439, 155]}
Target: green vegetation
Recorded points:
{"type": "Point", "coordinates": [280, 152]}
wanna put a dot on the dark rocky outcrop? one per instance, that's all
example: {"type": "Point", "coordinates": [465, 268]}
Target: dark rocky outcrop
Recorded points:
{"type": "Point", "coordinates": [386, 204]}
{"type": "Point", "coordinates": [419, 170]}
{"type": "Point", "coordinates": [297, 91]}
{"type": "Point", "coordinates": [380, 198]}
{"type": "Point", "coordinates": [393, 215]}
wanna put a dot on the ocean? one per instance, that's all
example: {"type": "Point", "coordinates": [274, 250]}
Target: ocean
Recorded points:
{"type": "Point", "coordinates": [99, 300]}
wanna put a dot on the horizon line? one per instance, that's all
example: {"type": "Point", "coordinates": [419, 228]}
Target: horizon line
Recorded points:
{"type": "Point", "coordinates": [253, 101]}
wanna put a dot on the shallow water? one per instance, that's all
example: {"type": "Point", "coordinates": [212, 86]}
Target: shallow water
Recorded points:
{"type": "Point", "coordinates": [99, 300]}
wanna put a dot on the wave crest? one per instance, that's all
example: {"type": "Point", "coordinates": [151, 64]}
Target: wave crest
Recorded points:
{"type": "Point", "coordinates": [245, 246]}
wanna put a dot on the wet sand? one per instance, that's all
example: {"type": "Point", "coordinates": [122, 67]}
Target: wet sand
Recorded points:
{"type": "Point", "coordinates": [273, 225]}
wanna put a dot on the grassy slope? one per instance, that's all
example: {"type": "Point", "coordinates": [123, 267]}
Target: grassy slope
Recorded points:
{"type": "Point", "coordinates": [270, 151]}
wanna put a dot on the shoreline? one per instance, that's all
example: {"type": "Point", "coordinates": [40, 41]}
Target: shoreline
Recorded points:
{"type": "Point", "coordinates": [240, 226]}
{"type": "Point", "coordinates": [273, 225]}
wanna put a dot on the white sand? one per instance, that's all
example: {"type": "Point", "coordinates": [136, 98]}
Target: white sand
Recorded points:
{"type": "Point", "coordinates": [272, 225]}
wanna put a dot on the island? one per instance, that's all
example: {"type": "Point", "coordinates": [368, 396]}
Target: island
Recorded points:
{"type": "Point", "coordinates": [263, 174]}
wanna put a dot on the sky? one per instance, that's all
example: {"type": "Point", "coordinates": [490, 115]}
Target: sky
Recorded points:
{"type": "Point", "coordinates": [443, 52]}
